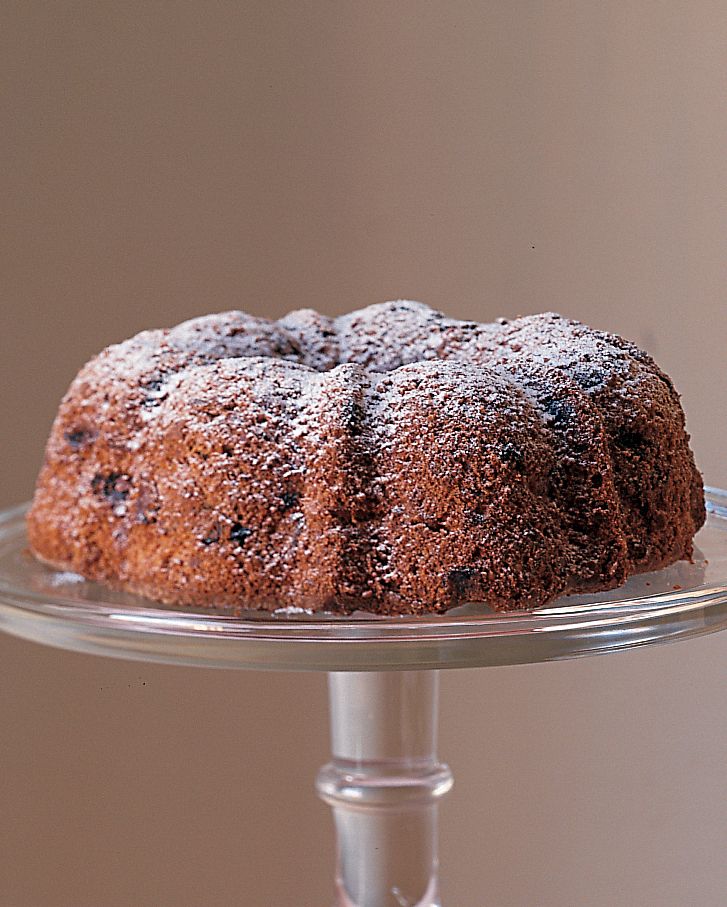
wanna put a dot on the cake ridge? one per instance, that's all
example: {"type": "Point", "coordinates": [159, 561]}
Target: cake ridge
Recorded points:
{"type": "Point", "coordinates": [583, 471]}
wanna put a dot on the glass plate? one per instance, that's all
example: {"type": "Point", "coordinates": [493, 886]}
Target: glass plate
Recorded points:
{"type": "Point", "coordinates": [62, 609]}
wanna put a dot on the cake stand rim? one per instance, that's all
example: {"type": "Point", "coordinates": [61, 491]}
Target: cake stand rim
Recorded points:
{"type": "Point", "coordinates": [165, 634]}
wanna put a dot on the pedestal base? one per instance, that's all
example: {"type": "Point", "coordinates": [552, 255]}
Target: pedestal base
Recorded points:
{"type": "Point", "coordinates": [384, 784]}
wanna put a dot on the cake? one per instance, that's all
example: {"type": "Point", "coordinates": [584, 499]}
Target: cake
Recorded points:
{"type": "Point", "coordinates": [392, 460]}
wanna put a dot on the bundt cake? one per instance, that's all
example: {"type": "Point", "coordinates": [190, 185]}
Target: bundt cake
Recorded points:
{"type": "Point", "coordinates": [392, 460]}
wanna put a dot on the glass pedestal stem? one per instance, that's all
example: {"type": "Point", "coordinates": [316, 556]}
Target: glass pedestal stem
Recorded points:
{"type": "Point", "coordinates": [384, 783]}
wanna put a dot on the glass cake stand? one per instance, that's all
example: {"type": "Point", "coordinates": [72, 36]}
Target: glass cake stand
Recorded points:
{"type": "Point", "coordinates": [384, 780]}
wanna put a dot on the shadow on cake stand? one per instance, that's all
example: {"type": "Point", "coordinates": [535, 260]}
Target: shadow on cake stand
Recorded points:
{"type": "Point", "coordinates": [384, 780]}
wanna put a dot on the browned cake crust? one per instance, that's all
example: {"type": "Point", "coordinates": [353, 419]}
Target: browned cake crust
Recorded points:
{"type": "Point", "coordinates": [392, 459]}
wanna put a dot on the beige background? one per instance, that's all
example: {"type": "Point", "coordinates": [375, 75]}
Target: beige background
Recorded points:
{"type": "Point", "coordinates": [165, 159]}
